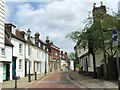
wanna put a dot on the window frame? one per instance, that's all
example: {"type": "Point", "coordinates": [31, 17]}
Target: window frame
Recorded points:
{"type": "Point", "coordinates": [20, 63]}
{"type": "Point", "coordinates": [20, 48]}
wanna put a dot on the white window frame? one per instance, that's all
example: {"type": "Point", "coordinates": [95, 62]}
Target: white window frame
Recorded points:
{"type": "Point", "coordinates": [3, 52]}
{"type": "Point", "coordinates": [20, 48]}
{"type": "Point", "coordinates": [20, 63]}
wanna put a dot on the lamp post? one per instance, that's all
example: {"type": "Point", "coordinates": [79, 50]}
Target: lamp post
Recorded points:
{"type": "Point", "coordinates": [28, 33]}
{"type": "Point", "coordinates": [45, 61]}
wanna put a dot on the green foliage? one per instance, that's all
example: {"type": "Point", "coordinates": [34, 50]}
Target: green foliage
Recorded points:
{"type": "Point", "coordinates": [77, 65]}
{"type": "Point", "coordinates": [74, 36]}
{"type": "Point", "coordinates": [72, 56]}
{"type": "Point", "coordinates": [96, 35]}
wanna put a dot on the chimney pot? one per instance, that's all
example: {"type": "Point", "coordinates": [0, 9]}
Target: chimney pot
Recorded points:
{"type": "Point", "coordinates": [47, 39]}
{"type": "Point", "coordinates": [101, 3]}
{"type": "Point", "coordinates": [37, 39]}
{"type": "Point", "coordinates": [65, 53]}
{"type": "Point", "coordinates": [94, 4]}
{"type": "Point", "coordinates": [62, 52]}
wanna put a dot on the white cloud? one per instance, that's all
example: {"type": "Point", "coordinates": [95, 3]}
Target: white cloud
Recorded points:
{"type": "Point", "coordinates": [31, 0]}
{"type": "Point", "coordinates": [56, 19]}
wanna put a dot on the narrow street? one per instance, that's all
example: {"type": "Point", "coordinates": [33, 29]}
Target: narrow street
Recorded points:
{"type": "Point", "coordinates": [55, 80]}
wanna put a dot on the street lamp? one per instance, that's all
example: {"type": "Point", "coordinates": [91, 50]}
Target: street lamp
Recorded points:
{"type": "Point", "coordinates": [45, 60]}
{"type": "Point", "coordinates": [28, 33]}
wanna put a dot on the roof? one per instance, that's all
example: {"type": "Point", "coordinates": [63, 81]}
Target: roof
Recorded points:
{"type": "Point", "coordinates": [55, 47]}
{"type": "Point", "coordinates": [10, 24]}
{"type": "Point", "coordinates": [7, 42]}
{"type": "Point", "coordinates": [31, 43]}
{"type": "Point", "coordinates": [42, 41]}
{"type": "Point", "coordinates": [19, 37]}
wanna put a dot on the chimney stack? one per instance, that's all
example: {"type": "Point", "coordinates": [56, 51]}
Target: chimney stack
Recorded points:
{"type": "Point", "coordinates": [94, 4]}
{"type": "Point", "coordinates": [101, 3]}
{"type": "Point", "coordinates": [37, 39]}
{"type": "Point", "coordinates": [66, 53]}
{"type": "Point", "coordinates": [47, 39]}
{"type": "Point", "coordinates": [61, 52]}
{"type": "Point", "coordinates": [51, 42]}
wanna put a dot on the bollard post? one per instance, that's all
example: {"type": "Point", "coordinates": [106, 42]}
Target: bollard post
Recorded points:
{"type": "Point", "coordinates": [15, 82]}
{"type": "Point", "coordinates": [35, 76]}
{"type": "Point", "coordinates": [15, 79]}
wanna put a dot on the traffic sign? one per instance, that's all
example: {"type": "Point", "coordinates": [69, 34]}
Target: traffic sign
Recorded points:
{"type": "Point", "coordinates": [114, 34]}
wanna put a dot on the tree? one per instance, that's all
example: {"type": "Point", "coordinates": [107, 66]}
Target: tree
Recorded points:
{"type": "Point", "coordinates": [72, 56]}
{"type": "Point", "coordinates": [74, 36]}
{"type": "Point", "coordinates": [97, 36]}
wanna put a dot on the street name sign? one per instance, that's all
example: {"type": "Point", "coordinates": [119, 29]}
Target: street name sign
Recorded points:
{"type": "Point", "coordinates": [114, 35]}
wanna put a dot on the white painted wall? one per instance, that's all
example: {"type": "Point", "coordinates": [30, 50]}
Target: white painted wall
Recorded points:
{"type": "Point", "coordinates": [15, 42]}
{"type": "Point", "coordinates": [8, 54]}
{"type": "Point", "coordinates": [99, 58]}
{"type": "Point", "coordinates": [2, 32]}
{"type": "Point", "coordinates": [8, 58]}
{"type": "Point", "coordinates": [2, 39]}
{"type": "Point", "coordinates": [1, 72]}
{"type": "Point", "coordinates": [71, 65]}
{"type": "Point", "coordinates": [63, 62]}
{"type": "Point", "coordinates": [36, 55]}
{"type": "Point", "coordinates": [43, 57]}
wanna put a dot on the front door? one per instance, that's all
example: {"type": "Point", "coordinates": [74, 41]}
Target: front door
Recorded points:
{"type": "Point", "coordinates": [14, 67]}
{"type": "Point", "coordinates": [7, 71]}
{"type": "Point", "coordinates": [4, 72]}
{"type": "Point", "coordinates": [25, 68]}
{"type": "Point", "coordinates": [53, 66]}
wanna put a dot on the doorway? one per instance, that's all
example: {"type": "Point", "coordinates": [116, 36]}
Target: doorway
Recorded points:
{"type": "Point", "coordinates": [14, 67]}
{"type": "Point", "coordinates": [6, 72]}
{"type": "Point", "coordinates": [25, 68]}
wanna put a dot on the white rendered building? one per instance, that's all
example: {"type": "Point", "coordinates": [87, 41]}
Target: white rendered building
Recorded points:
{"type": "Point", "coordinates": [2, 43]}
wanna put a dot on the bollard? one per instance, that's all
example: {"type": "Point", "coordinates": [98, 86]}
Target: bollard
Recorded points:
{"type": "Point", "coordinates": [35, 76]}
{"type": "Point", "coordinates": [15, 81]}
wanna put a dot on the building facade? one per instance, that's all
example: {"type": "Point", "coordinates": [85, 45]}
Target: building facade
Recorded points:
{"type": "Point", "coordinates": [16, 37]}
{"type": "Point", "coordinates": [2, 38]}
{"type": "Point", "coordinates": [54, 56]}
{"type": "Point", "coordinates": [65, 62]}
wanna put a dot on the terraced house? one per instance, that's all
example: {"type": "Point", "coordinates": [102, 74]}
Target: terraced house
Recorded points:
{"type": "Point", "coordinates": [66, 64]}
{"type": "Point", "coordinates": [20, 57]}
{"type": "Point", "coordinates": [44, 56]}
{"type": "Point", "coordinates": [54, 56]}
{"type": "Point", "coordinates": [16, 37]}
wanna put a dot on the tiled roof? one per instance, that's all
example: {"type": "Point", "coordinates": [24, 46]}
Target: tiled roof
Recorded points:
{"type": "Point", "coordinates": [7, 42]}
{"type": "Point", "coordinates": [10, 35]}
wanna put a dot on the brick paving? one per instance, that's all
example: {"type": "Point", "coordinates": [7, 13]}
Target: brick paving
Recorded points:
{"type": "Point", "coordinates": [55, 80]}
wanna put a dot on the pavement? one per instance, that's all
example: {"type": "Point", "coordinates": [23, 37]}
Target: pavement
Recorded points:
{"type": "Point", "coordinates": [78, 79]}
{"type": "Point", "coordinates": [22, 82]}
{"type": "Point", "coordinates": [90, 83]}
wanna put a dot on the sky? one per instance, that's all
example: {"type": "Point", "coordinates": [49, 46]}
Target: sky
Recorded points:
{"type": "Point", "coordinates": [53, 18]}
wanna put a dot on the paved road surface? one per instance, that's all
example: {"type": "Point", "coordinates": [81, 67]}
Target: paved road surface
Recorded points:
{"type": "Point", "coordinates": [55, 80]}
